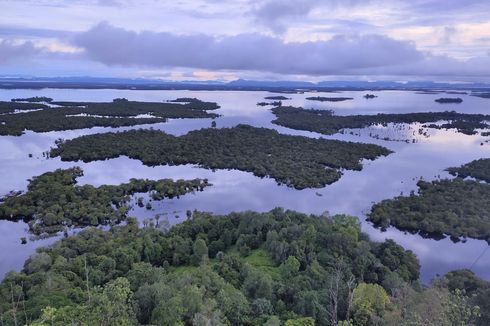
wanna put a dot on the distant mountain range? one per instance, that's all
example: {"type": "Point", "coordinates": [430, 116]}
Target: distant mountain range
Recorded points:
{"type": "Point", "coordinates": [240, 84]}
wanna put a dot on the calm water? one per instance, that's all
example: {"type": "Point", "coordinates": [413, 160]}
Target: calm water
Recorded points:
{"type": "Point", "coordinates": [237, 191]}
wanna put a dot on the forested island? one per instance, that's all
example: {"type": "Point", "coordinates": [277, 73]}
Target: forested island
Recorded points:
{"type": "Point", "coordinates": [326, 122]}
{"type": "Point", "coordinates": [196, 103]}
{"type": "Point", "coordinates": [478, 169]}
{"type": "Point", "coordinates": [456, 207]}
{"type": "Point", "coordinates": [329, 99]}
{"type": "Point", "coordinates": [54, 201]}
{"type": "Point", "coordinates": [277, 98]}
{"type": "Point", "coordinates": [295, 161]}
{"type": "Point", "coordinates": [275, 103]}
{"type": "Point", "coordinates": [79, 115]}
{"type": "Point", "coordinates": [446, 100]}
{"type": "Point", "coordinates": [370, 96]}
{"type": "Point", "coordinates": [34, 99]}
{"type": "Point", "coordinates": [482, 95]}
{"type": "Point", "coordinates": [11, 107]}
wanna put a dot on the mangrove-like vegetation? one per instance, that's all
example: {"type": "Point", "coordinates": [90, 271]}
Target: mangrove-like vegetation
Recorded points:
{"type": "Point", "coordinates": [275, 103]}
{"type": "Point", "coordinates": [447, 100]}
{"type": "Point", "coordinates": [11, 107]}
{"type": "Point", "coordinates": [79, 115]}
{"type": "Point", "coordinates": [478, 169]}
{"type": "Point", "coordinates": [34, 99]}
{"type": "Point", "coordinates": [295, 161]}
{"type": "Point", "coordinates": [459, 208]}
{"type": "Point", "coordinates": [329, 99]}
{"type": "Point", "coordinates": [277, 98]}
{"type": "Point", "coordinates": [54, 201]}
{"type": "Point", "coordinates": [326, 122]}
{"type": "Point", "coordinates": [370, 96]}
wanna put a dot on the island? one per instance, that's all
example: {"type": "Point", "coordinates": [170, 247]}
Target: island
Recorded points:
{"type": "Point", "coordinates": [295, 161]}
{"type": "Point", "coordinates": [79, 115]}
{"type": "Point", "coordinates": [478, 169]}
{"type": "Point", "coordinates": [482, 95]}
{"type": "Point", "coordinates": [275, 103]}
{"type": "Point", "coordinates": [12, 107]}
{"type": "Point", "coordinates": [449, 100]}
{"type": "Point", "coordinates": [370, 96]}
{"type": "Point", "coordinates": [277, 98]}
{"type": "Point", "coordinates": [326, 122]}
{"type": "Point", "coordinates": [328, 99]}
{"type": "Point", "coordinates": [54, 201]}
{"type": "Point", "coordinates": [196, 103]}
{"type": "Point", "coordinates": [34, 99]}
{"type": "Point", "coordinates": [455, 207]}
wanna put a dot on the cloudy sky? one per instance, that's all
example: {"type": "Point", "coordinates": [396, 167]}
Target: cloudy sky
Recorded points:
{"type": "Point", "coordinates": [256, 39]}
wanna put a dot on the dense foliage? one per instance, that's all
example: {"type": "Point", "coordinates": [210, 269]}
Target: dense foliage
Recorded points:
{"type": "Point", "coordinates": [445, 207]}
{"type": "Point", "coordinates": [328, 99]}
{"type": "Point", "coordinates": [296, 161]}
{"type": "Point", "coordinates": [326, 122]}
{"type": "Point", "coordinates": [78, 115]}
{"type": "Point", "coordinates": [478, 169]}
{"type": "Point", "coordinates": [240, 269]}
{"type": "Point", "coordinates": [53, 200]}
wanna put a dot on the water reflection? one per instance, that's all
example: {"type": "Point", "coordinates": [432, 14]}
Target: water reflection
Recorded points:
{"type": "Point", "coordinates": [234, 190]}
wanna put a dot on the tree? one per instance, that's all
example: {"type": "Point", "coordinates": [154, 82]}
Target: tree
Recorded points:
{"type": "Point", "coordinates": [459, 311]}
{"type": "Point", "coordinates": [258, 285]}
{"type": "Point", "coordinates": [348, 225]}
{"type": "Point", "coordinates": [369, 302]}
{"type": "Point", "coordinates": [289, 268]}
{"type": "Point", "coordinates": [307, 321]}
{"type": "Point", "coordinates": [200, 252]}
{"type": "Point", "coordinates": [38, 262]}
{"type": "Point", "coordinates": [233, 304]}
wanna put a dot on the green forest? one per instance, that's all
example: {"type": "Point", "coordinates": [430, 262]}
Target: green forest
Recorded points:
{"type": "Point", "coordinates": [275, 268]}
{"type": "Point", "coordinates": [295, 161]}
{"type": "Point", "coordinates": [54, 201]}
{"type": "Point", "coordinates": [79, 115]}
{"type": "Point", "coordinates": [326, 122]}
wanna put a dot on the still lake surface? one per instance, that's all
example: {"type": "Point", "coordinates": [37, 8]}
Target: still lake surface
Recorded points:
{"type": "Point", "coordinates": [233, 190]}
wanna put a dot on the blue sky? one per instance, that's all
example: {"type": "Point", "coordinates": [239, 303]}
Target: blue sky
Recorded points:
{"type": "Point", "coordinates": [256, 39]}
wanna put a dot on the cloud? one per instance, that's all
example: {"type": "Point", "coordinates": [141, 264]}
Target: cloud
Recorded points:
{"type": "Point", "coordinates": [253, 52]}
{"type": "Point", "coordinates": [10, 51]}
{"type": "Point", "coordinates": [277, 14]}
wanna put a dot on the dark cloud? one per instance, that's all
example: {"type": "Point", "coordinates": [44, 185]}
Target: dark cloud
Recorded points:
{"type": "Point", "coordinates": [115, 46]}
{"type": "Point", "coordinates": [10, 51]}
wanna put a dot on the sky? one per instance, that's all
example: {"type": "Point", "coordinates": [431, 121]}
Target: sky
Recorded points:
{"type": "Point", "coordinates": [443, 40]}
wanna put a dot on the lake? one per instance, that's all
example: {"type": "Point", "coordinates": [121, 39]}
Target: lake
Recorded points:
{"type": "Point", "coordinates": [233, 190]}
